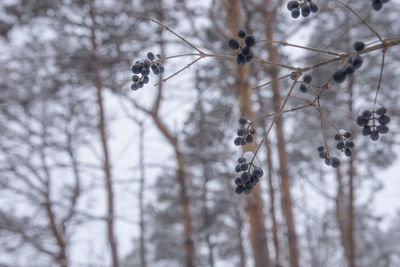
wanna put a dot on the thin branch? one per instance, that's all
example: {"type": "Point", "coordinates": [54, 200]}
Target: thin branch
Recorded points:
{"type": "Point", "coordinates": [381, 74]}
{"type": "Point", "coordinates": [283, 43]}
{"type": "Point", "coordinates": [362, 19]}
{"type": "Point", "coordinates": [176, 34]}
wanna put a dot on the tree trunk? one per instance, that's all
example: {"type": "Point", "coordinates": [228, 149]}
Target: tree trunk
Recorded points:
{"type": "Point", "coordinates": [143, 262]}
{"type": "Point", "coordinates": [340, 215]}
{"type": "Point", "coordinates": [286, 198]}
{"type": "Point", "coordinates": [186, 215]}
{"type": "Point", "coordinates": [254, 202]}
{"type": "Point", "coordinates": [272, 206]}
{"type": "Point", "coordinates": [104, 143]}
{"type": "Point", "coordinates": [351, 173]}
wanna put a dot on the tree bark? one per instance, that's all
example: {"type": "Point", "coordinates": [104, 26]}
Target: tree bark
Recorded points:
{"type": "Point", "coordinates": [258, 235]}
{"type": "Point", "coordinates": [351, 173]}
{"type": "Point", "coordinates": [286, 198]}
{"type": "Point", "coordinates": [143, 262]}
{"type": "Point", "coordinates": [103, 138]}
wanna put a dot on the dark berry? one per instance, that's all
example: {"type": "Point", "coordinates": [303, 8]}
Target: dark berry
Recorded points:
{"type": "Point", "coordinates": [233, 44]}
{"type": "Point", "coordinates": [292, 4]}
{"type": "Point", "coordinates": [293, 75]}
{"type": "Point", "coordinates": [374, 135]}
{"type": "Point", "coordinates": [357, 61]}
{"type": "Point", "coordinates": [349, 144]}
{"type": "Point", "coordinates": [366, 114]}
{"type": "Point", "coordinates": [340, 145]}
{"type": "Point", "coordinates": [322, 155]}
{"type": "Point", "coordinates": [238, 181]}
{"type": "Point", "coordinates": [321, 148]}
{"type": "Point", "coordinates": [361, 121]}
{"type": "Point", "coordinates": [249, 139]}
{"type": "Point", "coordinates": [249, 57]}
{"type": "Point", "coordinates": [337, 137]}
{"type": "Point", "coordinates": [137, 68]}
{"type": "Point", "coordinates": [241, 160]}
{"type": "Point", "coordinates": [135, 78]}
{"type": "Point", "coordinates": [161, 69]}
{"type": "Point", "coordinates": [249, 185]}
{"type": "Point", "coordinates": [347, 134]}
{"type": "Point", "coordinates": [307, 78]}
{"type": "Point", "coordinates": [145, 72]}
{"type": "Point", "coordinates": [376, 5]}
{"type": "Point", "coordinates": [295, 13]}
{"type": "Point", "coordinates": [384, 119]}
{"type": "Point", "coordinates": [245, 51]}
{"type": "Point", "coordinates": [241, 33]}
{"type": "Point", "coordinates": [134, 87]}
{"type": "Point", "coordinates": [313, 7]}
{"type": "Point", "coordinates": [243, 120]}
{"type": "Point", "coordinates": [348, 152]}
{"type": "Point", "coordinates": [382, 129]}
{"type": "Point", "coordinates": [241, 131]}
{"type": "Point", "coordinates": [350, 69]}
{"type": "Point", "coordinates": [244, 166]}
{"type": "Point", "coordinates": [245, 177]}
{"type": "Point", "coordinates": [305, 10]}
{"type": "Point", "coordinates": [150, 56]}
{"type": "Point", "coordinates": [239, 190]}
{"type": "Point", "coordinates": [238, 141]}
{"type": "Point", "coordinates": [258, 172]}
{"type": "Point", "coordinates": [335, 162]}
{"type": "Point", "coordinates": [254, 179]}
{"type": "Point", "coordinates": [250, 41]}
{"type": "Point", "coordinates": [339, 76]}
{"type": "Point", "coordinates": [366, 130]}
{"type": "Point", "coordinates": [381, 111]}
{"type": "Point", "coordinates": [359, 46]}
{"type": "Point", "coordinates": [146, 79]}
{"type": "Point", "coordinates": [237, 168]}
{"type": "Point", "coordinates": [147, 63]}
{"type": "Point", "coordinates": [303, 88]}
{"type": "Point", "coordinates": [240, 59]}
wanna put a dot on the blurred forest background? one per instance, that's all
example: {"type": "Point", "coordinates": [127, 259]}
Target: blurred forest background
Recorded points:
{"type": "Point", "coordinates": [94, 174]}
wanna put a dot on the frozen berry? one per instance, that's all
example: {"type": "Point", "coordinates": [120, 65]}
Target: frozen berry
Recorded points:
{"type": "Point", "coordinates": [250, 41]}
{"type": "Point", "coordinates": [339, 76]}
{"type": "Point", "coordinates": [335, 162]}
{"type": "Point", "coordinates": [359, 46]}
{"type": "Point", "coordinates": [233, 44]}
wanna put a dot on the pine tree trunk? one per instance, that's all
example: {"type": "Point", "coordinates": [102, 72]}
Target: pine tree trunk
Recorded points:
{"type": "Point", "coordinates": [186, 215]}
{"type": "Point", "coordinates": [351, 173]}
{"type": "Point", "coordinates": [180, 172]}
{"type": "Point", "coordinates": [272, 205]}
{"type": "Point", "coordinates": [103, 138]}
{"type": "Point", "coordinates": [258, 239]}
{"type": "Point", "coordinates": [143, 262]}
{"type": "Point", "coordinates": [340, 215]}
{"type": "Point", "coordinates": [271, 190]}
{"type": "Point", "coordinates": [286, 198]}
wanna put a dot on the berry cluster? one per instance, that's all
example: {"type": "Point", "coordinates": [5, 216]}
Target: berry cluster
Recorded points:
{"type": "Point", "coordinates": [334, 162]}
{"type": "Point", "coordinates": [374, 122]}
{"type": "Point", "coordinates": [378, 4]}
{"type": "Point", "coordinates": [245, 133]}
{"type": "Point", "coordinates": [306, 81]}
{"type": "Point", "coordinates": [143, 68]}
{"type": "Point", "coordinates": [248, 179]}
{"type": "Point", "coordinates": [303, 7]}
{"type": "Point", "coordinates": [354, 63]}
{"type": "Point", "coordinates": [244, 53]}
{"type": "Point", "coordinates": [343, 143]}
